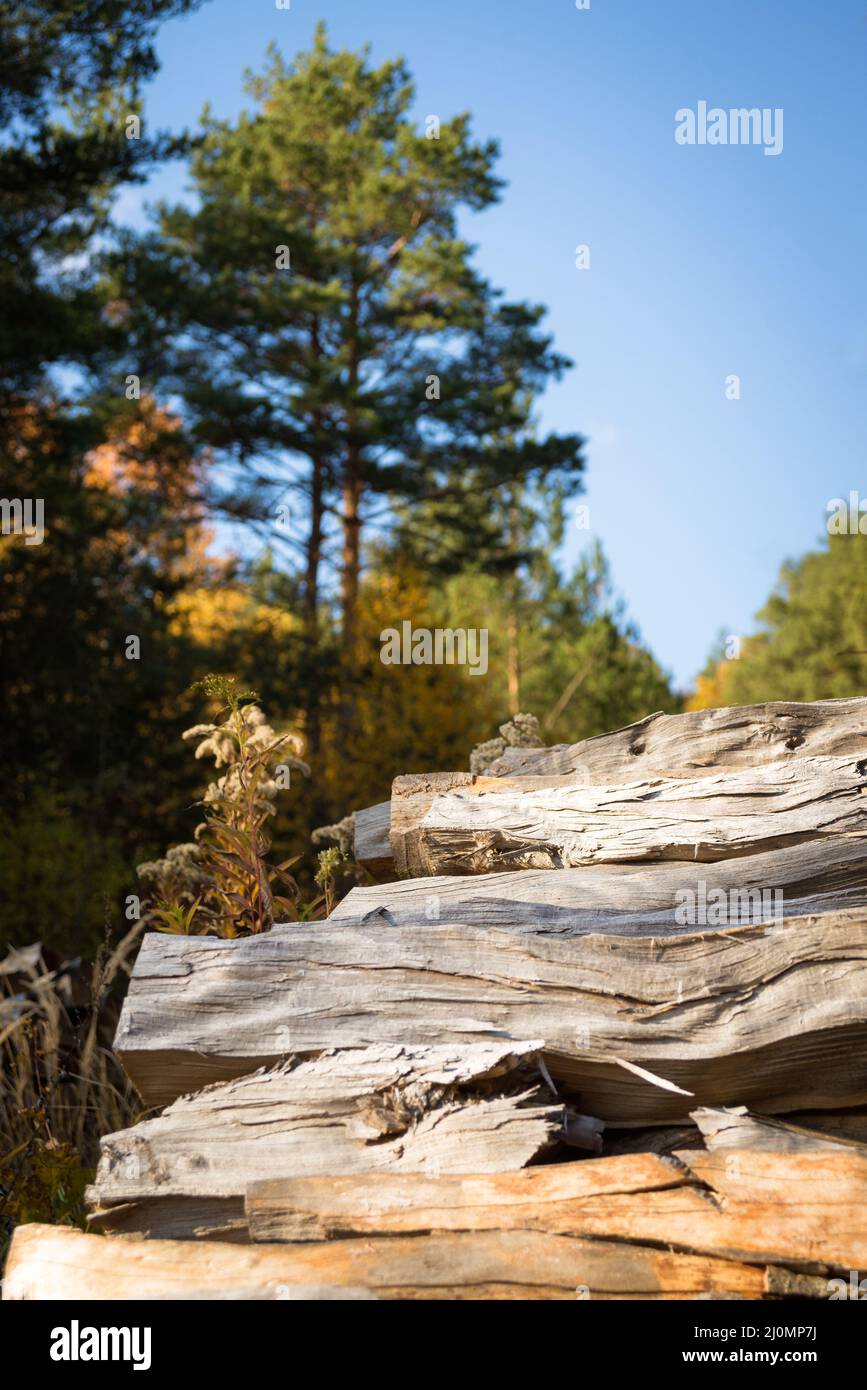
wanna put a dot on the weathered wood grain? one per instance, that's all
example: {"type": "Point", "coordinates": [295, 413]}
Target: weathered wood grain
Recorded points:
{"type": "Point", "coordinates": [806, 1180]}
{"type": "Point", "coordinates": [803, 1211]}
{"type": "Point", "coordinates": [647, 899]}
{"type": "Point", "coordinates": [411, 797]}
{"type": "Point", "coordinates": [736, 1128]}
{"type": "Point", "coordinates": [372, 848]}
{"type": "Point", "coordinates": [482, 1107]}
{"type": "Point", "coordinates": [834, 1124]}
{"type": "Point", "coordinates": [170, 1218]}
{"type": "Point", "coordinates": [685, 745]}
{"type": "Point", "coordinates": [771, 1016]}
{"type": "Point", "coordinates": [662, 745]}
{"type": "Point", "coordinates": [495, 824]}
{"type": "Point", "coordinates": [56, 1263]}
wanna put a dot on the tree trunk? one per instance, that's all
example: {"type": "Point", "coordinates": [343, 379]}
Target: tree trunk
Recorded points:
{"type": "Point", "coordinates": [512, 621]}
{"type": "Point", "coordinates": [352, 491]}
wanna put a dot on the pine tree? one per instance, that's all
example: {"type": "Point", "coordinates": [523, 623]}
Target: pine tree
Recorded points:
{"type": "Point", "coordinates": [295, 306]}
{"type": "Point", "coordinates": [71, 75]}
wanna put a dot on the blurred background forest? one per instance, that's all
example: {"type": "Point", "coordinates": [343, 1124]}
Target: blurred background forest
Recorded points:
{"type": "Point", "coordinates": [290, 414]}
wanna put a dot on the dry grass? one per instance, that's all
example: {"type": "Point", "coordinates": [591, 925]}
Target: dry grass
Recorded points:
{"type": "Point", "coordinates": [61, 1087]}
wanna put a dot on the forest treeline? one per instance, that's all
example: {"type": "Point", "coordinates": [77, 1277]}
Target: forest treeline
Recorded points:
{"type": "Point", "coordinates": [288, 415]}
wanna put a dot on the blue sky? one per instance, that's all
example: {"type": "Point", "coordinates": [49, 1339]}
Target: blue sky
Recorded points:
{"type": "Point", "coordinates": [705, 261]}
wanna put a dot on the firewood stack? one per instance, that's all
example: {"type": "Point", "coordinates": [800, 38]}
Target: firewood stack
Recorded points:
{"type": "Point", "coordinates": [598, 1029]}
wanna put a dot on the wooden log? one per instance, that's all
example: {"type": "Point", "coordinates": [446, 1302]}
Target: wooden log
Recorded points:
{"type": "Point", "coordinates": [803, 1211]}
{"type": "Point", "coordinates": [372, 848]}
{"type": "Point", "coordinates": [642, 1029]}
{"type": "Point", "coordinates": [698, 743]}
{"type": "Point", "coordinates": [797, 1182]}
{"type": "Point", "coordinates": [491, 824]}
{"type": "Point", "coordinates": [279, 1293]}
{"type": "Point", "coordinates": [736, 1128]}
{"type": "Point", "coordinates": [686, 745]}
{"type": "Point", "coordinates": [645, 899]}
{"type": "Point", "coordinates": [57, 1263]}
{"type": "Point", "coordinates": [411, 797]}
{"type": "Point", "coordinates": [834, 1124]}
{"type": "Point", "coordinates": [169, 1217]}
{"type": "Point", "coordinates": [440, 1109]}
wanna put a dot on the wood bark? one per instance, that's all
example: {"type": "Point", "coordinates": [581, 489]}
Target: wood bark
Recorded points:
{"type": "Point", "coordinates": [495, 824]}
{"type": "Point", "coordinates": [642, 1029]}
{"type": "Point", "coordinates": [54, 1262]}
{"type": "Point", "coordinates": [484, 1107]}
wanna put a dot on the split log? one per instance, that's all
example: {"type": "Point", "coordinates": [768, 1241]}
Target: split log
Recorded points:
{"type": "Point", "coordinates": [411, 798]}
{"type": "Point", "coordinates": [169, 1218]}
{"type": "Point", "coordinates": [698, 743]}
{"type": "Point", "coordinates": [736, 1128]}
{"type": "Point", "coordinates": [643, 1029]}
{"type": "Point", "coordinates": [800, 1183]}
{"type": "Point", "coordinates": [488, 824]}
{"type": "Point", "coordinates": [56, 1263]}
{"type": "Point", "coordinates": [440, 1109]}
{"type": "Point", "coordinates": [834, 1124]}
{"type": "Point", "coordinates": [686, 745]}
{"type": "Point", "coordinates": [372, 848]}
{"type": "Point", "coordinates": [803, 1211]}
{"type": "Point", "coordinates": [281, 1293]}
{"type": "Point", "coordinates": [649, 899]}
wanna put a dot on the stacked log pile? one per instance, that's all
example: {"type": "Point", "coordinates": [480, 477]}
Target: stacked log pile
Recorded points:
{"type": "Point", "coordinates": [597, 1029]}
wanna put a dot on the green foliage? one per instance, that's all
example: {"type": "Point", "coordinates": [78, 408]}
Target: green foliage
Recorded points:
{"type": "Point", "coordinates": [310, 361]}
{"type": "Point", "coordinates": [89, 739]}
{"type": "Point", "coordinates": [331, 865]}
{"type": "Point", "coordinates": [70, 72]}
{"type": "Point", "coordinates": [487, 491]}
{"type": "Point", "coordinates": [811, 644]}
{"type": "Point", "coordinates": [178, 918]}
{"type": "Point", "coordinates": [57, 869]}
{"type": "Point", "coordinates": [580, 662]}
{"type": "Point", "coordinates": [225, 689]}
{"type": "Point", "coordinates": [51, 1185]}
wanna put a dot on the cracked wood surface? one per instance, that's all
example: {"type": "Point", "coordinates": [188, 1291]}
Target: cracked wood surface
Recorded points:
{"type": "Point", "coordinates": [444, 1109]}
{"type": "Point", "coordinates": [820, 875]}
{"type": "Point", "coordinates": [54, 1262]}
{"type": "Point", "coordinates": [501, 824]}
{"type": "Point", "coordinates": [803, 1211]}
{"type": "Point", "coordinates": [737, 1129]}
{"type": "Point", "coordinates": [771, 1016]}
{"type": "Point", "coordinates": [371, 846]}
{"type": "Point", "coordinates": [698, 743]}
{"type": "Point", "coordinates": [702, 741]}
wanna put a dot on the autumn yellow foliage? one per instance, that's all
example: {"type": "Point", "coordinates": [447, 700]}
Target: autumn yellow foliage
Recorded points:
{"type": "Point", "coordinates": [210, 617]}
